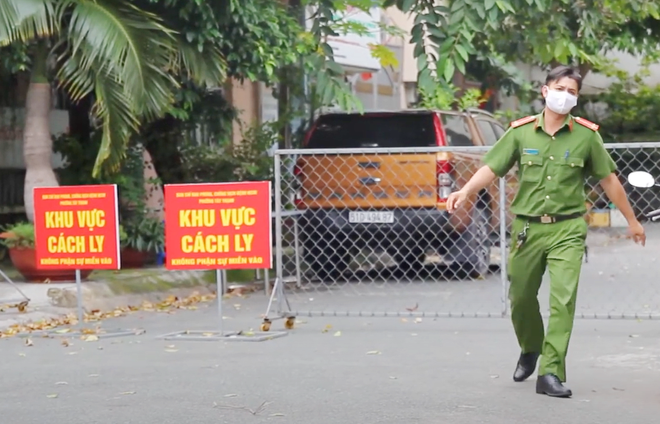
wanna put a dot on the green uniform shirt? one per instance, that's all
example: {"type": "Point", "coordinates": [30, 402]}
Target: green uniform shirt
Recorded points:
{"type": "Point", "coordinates": [552, 169]}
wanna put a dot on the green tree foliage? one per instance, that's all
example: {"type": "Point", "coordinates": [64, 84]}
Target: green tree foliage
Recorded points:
{"type": "Point", "coordinates": [628, 111]}
{"type": "Point", "coordinates": [448, 35]}
{"type": "Point", "coordinates": [444, 97]}
{"type": "Point", "coordinates": [326, 76]}
{"type": "Point", "coordinates": [122, 54]}
{"type": "Point", "coordinates": [255, 37]}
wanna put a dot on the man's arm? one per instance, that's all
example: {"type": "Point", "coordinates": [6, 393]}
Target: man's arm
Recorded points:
{"type": "Point", "coordinates": [498, 161]}
{"type": "Point", "coordinates": [601, 166]}
{"type": "Point", "coordinates": [617, 194]}
{"type": "Point", "coordinates": [480, 180]}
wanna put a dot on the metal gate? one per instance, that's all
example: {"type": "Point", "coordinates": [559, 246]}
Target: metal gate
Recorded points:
{"type": "Point", "coordinates": [359, 233]}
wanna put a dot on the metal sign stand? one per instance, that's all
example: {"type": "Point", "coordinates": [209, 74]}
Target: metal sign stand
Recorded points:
{"type": "Point", "coordinates": [20, 303]}
{"type": "Point", "coordinates": [234, 336]}
{"type": "Point", "coordinates": [79, 301]}
{"type": "Point", "coordinates": [278, 292]}
{"type": "Point", "coordinates": [278, 287]}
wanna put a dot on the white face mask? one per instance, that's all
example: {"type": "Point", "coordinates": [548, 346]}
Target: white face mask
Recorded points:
{"type": "Point", "coordinates": [560, 102]}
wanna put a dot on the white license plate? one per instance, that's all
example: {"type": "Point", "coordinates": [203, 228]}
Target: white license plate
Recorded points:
{"type": "Point", "coordinates": [371, 217]}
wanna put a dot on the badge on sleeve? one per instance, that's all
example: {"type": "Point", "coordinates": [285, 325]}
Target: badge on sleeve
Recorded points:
{"type": "Point", "coordinates": [531, 151]}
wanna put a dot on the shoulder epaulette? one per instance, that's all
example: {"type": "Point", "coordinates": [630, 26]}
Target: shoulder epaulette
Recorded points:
{"type": "Point", "coordinates": [523, 121]}
{"type": "Point", "coordinates": [588, 124]}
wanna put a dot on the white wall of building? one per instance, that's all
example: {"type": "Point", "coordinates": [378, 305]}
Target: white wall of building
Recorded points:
{"type": "Point", "coordinates": [593, 83]}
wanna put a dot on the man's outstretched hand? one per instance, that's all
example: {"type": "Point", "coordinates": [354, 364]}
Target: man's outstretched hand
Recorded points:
{"type": "Point", "coordinates": [455, 200]}
{"type": "Point", "coordinates": [636, 231]}
{"type": "Point", "coordinates": [479, 180]}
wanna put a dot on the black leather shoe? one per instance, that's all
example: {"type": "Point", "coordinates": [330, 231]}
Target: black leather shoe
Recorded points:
{"type": "Point", "coordinates": [526, 366]}
{"type": "Point", "coordinates": [550, 385]}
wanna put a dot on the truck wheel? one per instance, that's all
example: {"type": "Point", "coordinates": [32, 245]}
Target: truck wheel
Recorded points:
{"type": "Point", "coordinates": [409, 259]}
{"type": "Point", "coordinates": [471, 251]}
{"type": "Point", "coordinates": [478, 252]}
{"type": "Point", "coordinates": [327, 263]}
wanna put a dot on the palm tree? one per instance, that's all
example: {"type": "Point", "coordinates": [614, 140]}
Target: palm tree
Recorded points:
{"type": "Point", "coordinates": [123, 56]}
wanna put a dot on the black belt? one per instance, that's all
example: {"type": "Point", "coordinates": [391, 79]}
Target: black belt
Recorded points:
{"type": "Point", "coordinates": [546, 219]}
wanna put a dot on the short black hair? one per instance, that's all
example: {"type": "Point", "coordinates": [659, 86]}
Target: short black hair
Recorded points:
{"type": "Point", "coordinates": [562, 71]}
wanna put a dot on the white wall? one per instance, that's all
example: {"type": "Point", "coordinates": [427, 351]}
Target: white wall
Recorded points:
{"type": "Point", "coordinates": [629, 63]}
{"type": "Point", "coordinates": [405, 23]}
{"type": "Point", "coordinates": [11, 135]}
{"type": "Point", "coordinates": [593, 83]}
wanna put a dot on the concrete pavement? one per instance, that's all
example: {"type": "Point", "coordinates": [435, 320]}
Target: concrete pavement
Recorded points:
{"type": "Point", "coordinates": [326, 371]}
{"type": "Point", "coordinates": [332, 370]}
{"type": "Point", "coordinates": [104, 290]}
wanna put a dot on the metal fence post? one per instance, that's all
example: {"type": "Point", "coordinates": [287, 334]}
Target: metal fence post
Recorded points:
{"type": "Point", "coordinates": [503, 247]}
{"type": "Point", "coordinates": [279, 268]}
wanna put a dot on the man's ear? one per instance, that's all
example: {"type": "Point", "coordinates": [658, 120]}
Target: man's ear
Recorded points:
{"type": "Point", "coordinates": [544, 91]}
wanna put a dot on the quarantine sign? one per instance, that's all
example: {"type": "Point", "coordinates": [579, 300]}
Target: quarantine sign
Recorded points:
{"type": "Point", "coordinates": [76, 227]}
{"type": "Point", "coordinates": [218, 226]}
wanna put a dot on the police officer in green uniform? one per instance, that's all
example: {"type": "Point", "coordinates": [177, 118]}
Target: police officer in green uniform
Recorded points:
{"type": "Point", "coordinates": [555, 152]}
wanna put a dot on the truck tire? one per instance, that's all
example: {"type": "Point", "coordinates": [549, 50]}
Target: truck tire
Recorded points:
{"type": "Point", "coordinates": [409, 258]}
{"type": "Point", "coordinates": [478, 263]}
{"type": "Point", "coordinates": [471, 251]}
{"type": "Point", "coordinates": [327, 263]}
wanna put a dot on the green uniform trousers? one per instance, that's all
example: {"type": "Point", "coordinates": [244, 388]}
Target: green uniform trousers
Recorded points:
{"type": "Point", "coordinates": [560, 248]}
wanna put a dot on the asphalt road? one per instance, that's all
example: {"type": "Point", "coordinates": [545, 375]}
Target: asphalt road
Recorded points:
{"type": "Point", "coordinates": [325, 371]}
{"type": "Point", "coordinates": [361, 370]}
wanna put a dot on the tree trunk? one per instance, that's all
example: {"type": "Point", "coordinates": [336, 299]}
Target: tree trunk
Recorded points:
{"type": "Point", "coordinates": [37, 140]}
{"type": "Point", "coordinates": [80, 125]}
{"type": "Point", "coordinates": [154, 198]}
{"type": "Point", "coordinates": [584, 69]}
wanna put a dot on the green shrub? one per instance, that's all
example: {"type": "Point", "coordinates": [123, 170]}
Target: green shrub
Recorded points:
{"type": "Point", "coordinates": [20, 235]}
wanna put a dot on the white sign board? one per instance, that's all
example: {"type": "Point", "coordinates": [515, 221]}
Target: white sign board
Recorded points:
{"type": "Point", "coordinates": [353, 49]}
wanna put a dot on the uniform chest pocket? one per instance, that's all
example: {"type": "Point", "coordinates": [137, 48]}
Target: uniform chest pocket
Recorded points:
{"type": "Point", "coordinates": [531, 168]}
{"type": "Point", "coordinates": [570, 170]}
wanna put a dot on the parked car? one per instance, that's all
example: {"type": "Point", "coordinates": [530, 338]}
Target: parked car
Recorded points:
{"type": "Point", "coordinates": [396, 202]}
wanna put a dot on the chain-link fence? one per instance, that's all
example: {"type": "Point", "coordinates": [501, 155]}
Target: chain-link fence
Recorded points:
{"type": "Point", "coordinates": [619, 278]}
{"type": "Point", "coordinates": [365, 233]}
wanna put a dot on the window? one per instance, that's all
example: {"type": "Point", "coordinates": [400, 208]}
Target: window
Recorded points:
{"type": "Point", "coordinates": [373, 131]}
{"type": "Point", "coordinates": [457, 130]}
{"type": "Point", "coordinates": [487, 131]}
{"type": "Point", "coordinates": [499, 130]}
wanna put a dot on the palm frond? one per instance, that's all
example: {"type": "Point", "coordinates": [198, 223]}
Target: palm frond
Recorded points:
{"type": "Point", "coordinates": [131, 41]}
{"type": "Point", "coordinates": [27, 20]}
{"type": "Point", "coordinates": [77, 81]}
{"type": "Point", "coordinates": [114, 109]}
{"type": "Point", "coordinates": [206, 68]}
{"type": "Point", "coordinates": [130, 61]}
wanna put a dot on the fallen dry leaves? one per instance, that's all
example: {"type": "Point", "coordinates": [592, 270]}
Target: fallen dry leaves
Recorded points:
{"type": "Point", "coordinates": [169, 305]}
{"type": "Point", "coordinates": [22, 306]}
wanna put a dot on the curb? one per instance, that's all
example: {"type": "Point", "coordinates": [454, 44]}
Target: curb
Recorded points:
{"type": "Point", "coordinates": [132, 288]}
